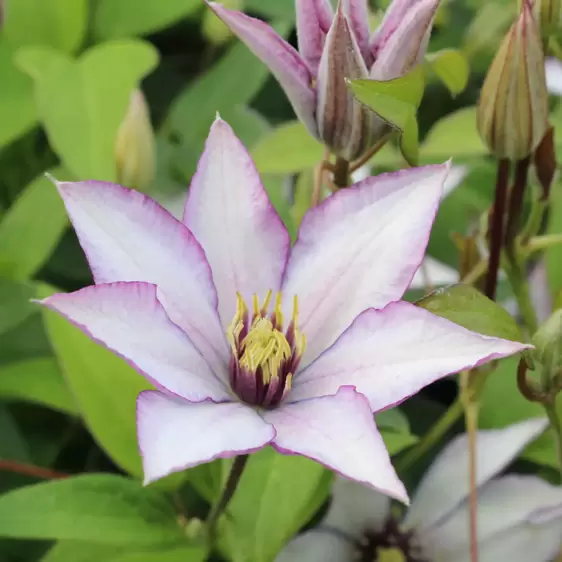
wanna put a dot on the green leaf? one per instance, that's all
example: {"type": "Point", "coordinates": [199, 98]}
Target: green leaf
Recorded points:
{"type": "Point", "coordinates": [287, 149]}
{"type": "Point", "coordinates": [217, 90]}
{"type": "Point", "coordinates": [60, 24]}
{"type": "Point", "coordinates": [396, 102]}
{"type": "Point", "coordinates": [100, 508]}
{"type": "Point", "coordinates": [468, 307]}
{"type": "Point", "coordinates": [553, 256]}
{"type": "Point", "coordinates": [15, 305]}
{"type": "Point", "coordinates": [116, 19]}
{"type": "Point", "coordinates": [395, 430]}
{"type": "Point", "coordinates": [275, 497]}
{"type": "Point", "coordinates": [276, 187]}
{"type": "Point", "coordinates": [76, 551]}
{"type": "Point", "coordinates": [17, 106]}
{"type": "Point", "coordinates": [12, 445]}
{"type": "Point", "coordinates": [453, 136]}
{"type": "Point", "coordinates": [501, 404]}
{"type": "Point", "coordinates": [104, 386]}
{"type": "Point", "coordinates": [452, 68]}
{"type": "Point", "coordinates": [31, 229]}
{"type": "Point", "coordinates": [36, 380]}
{"type": "Point", "coordinates": [284, 9]}
{"type": "Point", "coordinates": [82, 124]}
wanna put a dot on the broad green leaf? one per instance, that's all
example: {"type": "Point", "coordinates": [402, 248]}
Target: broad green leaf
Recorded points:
{"type": "Point", "coordinates": [208, 478]}
{"type": "Point", "coordinates": [106, 508]}
{"type": "Point", "coordinates": [501, 404]}
{"type": "Point", "coordinates": [75, 551]}
{"type": "Point", "coordinates": [116, 19]}
{"type": "Point", "coordinates": [36, 380]}
{"type": "Point", "coordinates": [396, 102]}
{"type": "Point", "coordinates": [553, 256]}
{"type": "Point", "coordinates": [452, 68]}
{"type": "Point", "coordinates": [468, 307]}
{"type": "Point", "coordinates": [104, 386]}
{"type": "Point", "coordinates": [272, 502]}
{"type": "Point", "coordinates": [82, 124]}
{"type": "Point", "coordinates": [272, 8]}
{"type": "Point", "coordinates": [15, 305]}
{"type": "Point", "coordinates": [217, 90]}
{"type": "Point", "coordinates": [395, 430]}
{"type": "Point", "coordinates": [17, 106]}
{"type": "Point", "coordinates": [287, 149]}
{"type": "Point", "coordinates": [55, 23]}
{"type": "Point", "coordinates": [32, 227]}
{"type": "Point", "coordinates": [12, 445]}
{"type": "Point", "coordinates": [453, 136]}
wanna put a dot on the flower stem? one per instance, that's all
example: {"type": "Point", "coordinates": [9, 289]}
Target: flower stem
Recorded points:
{"type": "Point", "coordinates": [229, 488]}
{"type": "Point", "coordinates": [516, 202]}
{"type": "Point", "coordinates": [31, 470]}
{"type": "Point", "coordinates": [471, 417]}
{"type": "Point", "coordinates": [557, 430]}
{"type": "Point", "coordinates": [432, 437]}
{"type": "Point", "coordinates": [496, 227]}
{"type": "Point", "coordinates": [341, 172]}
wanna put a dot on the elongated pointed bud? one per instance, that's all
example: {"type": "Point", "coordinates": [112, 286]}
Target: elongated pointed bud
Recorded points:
{"type": "Point", "coordinates": [135, 151]}
{"type": "Point", "coordinates": [548, 14]}
{"type": "Point", "coordinates": [513, 108]}
{"type": "Point", "coordinates": [344, 125]}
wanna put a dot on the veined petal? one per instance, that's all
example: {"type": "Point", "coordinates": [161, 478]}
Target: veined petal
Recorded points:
{"type": "Point", "coordinates": [360, 248]}
{"type": "Point", "coordinates": [128, 319]}
{"type": "Point", "coordinates": [318, 545]}
{"type": "Point", "coordinates": [175, 434]}
{"type": "Point", "coordinates": [339, 432]}
{"type": "Point", "coordinates": [314, 18]}
{"type": "Point", "coordinates": [371, 356]}
{"type": "Point", "coordinates": [511, 503]}
{"type": "Point", "coordinates": [230, 214]}
{"type": "Point", "coordinates": [401, 40]}
{"type": "Point", "coordinates": [282, 59]}
{"type": "Point", "coordinates": [357, 13]}
{"type": "Point", "coordinates": [344, 124]}
{"type": "Point", "coordinates": [127, 236]}
{"type": "Point", "coordinates": [356, 508]}
{"type": "Point", "coordinates": [445, 484]}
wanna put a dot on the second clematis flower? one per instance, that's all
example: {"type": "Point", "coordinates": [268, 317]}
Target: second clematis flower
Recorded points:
{"type": "Point", "coordinates": [250, 342]}
{"type": "Point", "coordinates": [331, 49]}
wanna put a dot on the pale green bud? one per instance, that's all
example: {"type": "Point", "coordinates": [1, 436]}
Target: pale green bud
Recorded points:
{"type": "Point", "coordinates": [512, 115]}
{"type": "Point", "coordinates": [548, 14]}
{"type": "Point", "coordinates": [548, 343]}
{"type": "Point", "coordinates": [135, 151]}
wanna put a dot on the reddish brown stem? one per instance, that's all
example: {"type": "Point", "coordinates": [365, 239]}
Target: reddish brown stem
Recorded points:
{"type": "Point", "coordinates": [31, 470]}
{"type": "Point", "coordinates": [516, 202]}
{"type": "Point", "coordinates": [497, 227]}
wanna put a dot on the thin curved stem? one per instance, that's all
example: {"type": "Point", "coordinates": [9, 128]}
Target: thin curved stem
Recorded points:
{"type": "Point", "coordinates": [31, 470]}
{"type": "Point", "coordinates": [229, 488]}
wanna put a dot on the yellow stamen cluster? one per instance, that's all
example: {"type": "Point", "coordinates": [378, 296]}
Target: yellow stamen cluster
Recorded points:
{"type": "Point", "coordinates": [391, 555]}
{"type": "Point", "coordinates": [265, 347]}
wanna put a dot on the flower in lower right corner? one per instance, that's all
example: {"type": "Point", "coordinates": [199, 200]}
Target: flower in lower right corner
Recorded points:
{"type": "Point", "coordinates": [519, 516]}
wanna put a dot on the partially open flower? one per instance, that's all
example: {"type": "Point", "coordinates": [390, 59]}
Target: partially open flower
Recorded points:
{"type": "Point", "coordinates": [135, 150]}
{"type": "Point", "coordinates": [519, 516]}
{"type": "Point", "coordinates": [251, 342]}
{"type": "Point", "coordinates": [513, 107]}
{"type": "Point", "coordinates": [331, 49]}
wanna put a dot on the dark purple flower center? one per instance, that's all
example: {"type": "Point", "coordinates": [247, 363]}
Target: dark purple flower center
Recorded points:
{"type": "Point", "coordinates": [263, 357]}
{"type": "Point", "coordinates": [389, 544]}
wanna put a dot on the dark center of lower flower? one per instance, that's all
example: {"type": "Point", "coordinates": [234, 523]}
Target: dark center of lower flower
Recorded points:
{"type": "Point", "coordinates": [389, 544]}
{"type": "Point", "coordinates": [263, 357]}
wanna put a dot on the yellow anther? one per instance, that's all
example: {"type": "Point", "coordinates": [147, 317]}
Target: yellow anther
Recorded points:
{"type": "Point", "coordinates": [391, 555]}
{"type": "Point", "coordinates": [278, 311]}
{"type": "Point", "coordinates": [266, 302]}
{"type": "Point", "coordinates": [237, 324]}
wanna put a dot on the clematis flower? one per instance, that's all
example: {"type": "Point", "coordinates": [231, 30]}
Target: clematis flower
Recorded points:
{"type": "Point", "coordinates": [249, 342]}
{"type": "Point", "coordinates": [331, 49]}
{"type": "Point", "coordinates": [519, 516]}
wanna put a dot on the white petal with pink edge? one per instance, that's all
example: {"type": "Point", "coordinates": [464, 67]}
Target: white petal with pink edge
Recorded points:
{"type": "Point", "coordinates": [391, 354]}
{"type": "Point", "coordinates": [128, 319]}
{"type": "Point", "coordinates": [445, 484]}
{"type": "Point", "coordinates": [175, 434]}
{"type": "Point", "coordinates": [318, 545]}
{"type": "Point", "coordinates": [129, 237]}
{"type": "Point", "coordinates": [230, 214]}
{"type": "Point", "coordinates": [314, 18]}
{"type": "Point", "coordinates": [360, 249]}
{"type": "Point", "coordinates": [280, 57]}
{"type": "Point", "coordinates": [339, 432]}
{"type": "Point", "coordinates": [509, 503]}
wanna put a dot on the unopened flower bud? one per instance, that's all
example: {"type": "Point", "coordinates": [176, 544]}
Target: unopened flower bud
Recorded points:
{"type": "Point", "coordinates": [548, 349]}
{"type": "Point", "coordinates": [513, 108]}
{"type": "Point", "coordinates": [135, 151]}
{"type": "Point", "coordinates": [548, 14]}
